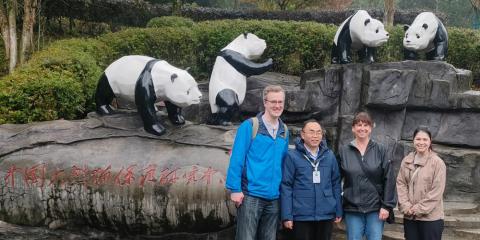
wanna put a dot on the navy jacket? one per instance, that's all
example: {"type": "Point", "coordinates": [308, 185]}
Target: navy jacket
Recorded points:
{"type": "Point", "coordinates": [303, 200]}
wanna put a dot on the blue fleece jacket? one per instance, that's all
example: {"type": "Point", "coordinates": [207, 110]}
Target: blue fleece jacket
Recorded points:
{"type": "Point", "coordinates": [303, 200]}
{"type": "Point", "coordinates": [256, 165]}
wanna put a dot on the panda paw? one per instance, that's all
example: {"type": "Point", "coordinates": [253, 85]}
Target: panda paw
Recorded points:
{"type": "Point", "coordinates": [345, 60]}
{"type": "Point", "coordinates": [105, 110]}
{"type": "Point", "coordinates": [177, 119]}
{"type": "Point", "coordinates": [438, 58]}
{"type": "Point", "coordinates": [156, 129]}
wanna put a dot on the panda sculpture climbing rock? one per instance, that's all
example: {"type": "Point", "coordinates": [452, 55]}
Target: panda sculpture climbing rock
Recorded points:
{"type": "Point", "coordinates": [228, 82]}
{"type": "Point", "coordinates": [145, 80]}
{"type": "Point", "coordinates": [426, 35]}
{"type": "Point", "coordinates": [359, 32]}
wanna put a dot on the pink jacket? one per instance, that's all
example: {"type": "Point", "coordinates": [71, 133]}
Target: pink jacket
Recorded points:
{"type": "Point", "coordinates": [422, 192]}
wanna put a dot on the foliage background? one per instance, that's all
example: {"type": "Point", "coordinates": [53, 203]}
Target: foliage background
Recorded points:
{"type": "Point", "coordinates": [59, 81]}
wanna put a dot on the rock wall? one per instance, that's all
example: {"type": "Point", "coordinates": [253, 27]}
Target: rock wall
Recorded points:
{"type": "Point", "coordinates": [108, 173]}
{"type": "Point", "coordinates": [400, 96]}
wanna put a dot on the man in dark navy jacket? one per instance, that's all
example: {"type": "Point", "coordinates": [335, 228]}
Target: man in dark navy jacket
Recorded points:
{"type": "Point", "coordinates": [310, 189]}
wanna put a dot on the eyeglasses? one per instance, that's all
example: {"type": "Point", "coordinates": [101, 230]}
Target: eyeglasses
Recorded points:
{"type": "Point", "coordinates": [314, 133]}
{"type": "Point", "coordinates": [274, 102]}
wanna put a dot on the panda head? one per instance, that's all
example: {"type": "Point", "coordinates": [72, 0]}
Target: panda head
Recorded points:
{"type": "Point", "coordinates": [175, 85]}
{"type": "Point", "coordinates": [419, 36]}
{"type": "Point", "coordinates": [249, 45]}
{"type": "Point", "coordinates": [182, 89]}
{"type": "Point", "coordinates": [373, 33]}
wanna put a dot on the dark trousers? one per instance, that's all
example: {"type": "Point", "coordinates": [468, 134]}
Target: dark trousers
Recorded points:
{"type": "Point", "coordinates": [423, 230]}
{"type": "Point", "coordinates": [313, 230]}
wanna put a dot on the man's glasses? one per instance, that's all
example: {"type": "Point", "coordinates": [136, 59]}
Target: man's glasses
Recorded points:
{"type": "Point", "coordinates": [274, 102]}
{"type": "Point", "coordinates": [314, 133]}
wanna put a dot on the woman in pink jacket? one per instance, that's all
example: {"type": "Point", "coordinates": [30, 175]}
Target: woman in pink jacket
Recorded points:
{"type": "Point", "coordinates": [420, 187]}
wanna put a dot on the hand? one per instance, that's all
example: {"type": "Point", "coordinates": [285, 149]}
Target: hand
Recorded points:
{"type": "Point", "coordinates": [410, 212]}
{"type": "Point", "coordinates": [337, 219]}
{"type": "Point", "coordinates": [383, 215]}
{"type": "Point", "coordinates": [288, 224]}
{"type": "Point", "coordinates": [237, 198]}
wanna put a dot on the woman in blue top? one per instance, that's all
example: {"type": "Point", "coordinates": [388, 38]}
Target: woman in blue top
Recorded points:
{"type": "Point", "coordinates": [310, 191]}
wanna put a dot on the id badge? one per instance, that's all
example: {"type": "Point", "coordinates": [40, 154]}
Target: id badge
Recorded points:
{"type": "Point", "coordinates": [316, 176]}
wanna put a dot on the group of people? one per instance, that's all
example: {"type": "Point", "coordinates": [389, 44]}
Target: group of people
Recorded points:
{"type": "Point", "coordinates": [302, 187]}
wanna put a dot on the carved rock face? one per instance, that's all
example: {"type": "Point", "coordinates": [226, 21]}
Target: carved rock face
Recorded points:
{"type": "Point", "coordinates": [115, 177]}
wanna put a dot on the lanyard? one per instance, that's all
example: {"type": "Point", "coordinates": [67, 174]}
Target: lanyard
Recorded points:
{"type": "Point", "coordinates": [313, 163]}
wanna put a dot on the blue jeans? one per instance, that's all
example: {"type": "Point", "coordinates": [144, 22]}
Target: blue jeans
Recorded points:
{"type": "Point", "coordinates": [360, 224]}
{"type": "Point", "coordinates": [257, 218]}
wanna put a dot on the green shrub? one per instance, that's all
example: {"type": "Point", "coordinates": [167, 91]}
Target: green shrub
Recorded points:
{"type": "Point", "coordinates": [59, 81]}
{"type": "Point", "coordinates": [170, 21]}
{"type": "Point", "coordinates": [307, 44]}
{"type": "Point", "coordinates": [176, 46]}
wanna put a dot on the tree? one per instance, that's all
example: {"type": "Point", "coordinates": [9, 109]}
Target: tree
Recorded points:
{"type": "Point", "coordinates": [476, 10]}
{"type": "Point", "coordinates": [283, 4]}
{"type": "Point", "coordinates": [8, 28]}
{"type": "Point", "coordinates": [389, 12]}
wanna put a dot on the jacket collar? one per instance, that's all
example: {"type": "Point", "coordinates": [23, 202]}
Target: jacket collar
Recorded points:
{"type": "Point", "coordinates": [371, 142]}
{"type": "Point", "coordinates": [410, 158]}
{"type": "Point", "coordinates": [263, 129]}
{"type": "Point", "coordinates": [299, 146]}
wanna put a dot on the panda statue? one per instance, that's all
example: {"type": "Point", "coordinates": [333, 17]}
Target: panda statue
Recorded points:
{"type": "Point", "coordinates": [228, 81]}
{"type": "Point", "coordinates": [145, 80]}
{"type": "Point", "coordinates": [426, 35]}
{"type": "Point", "coordinates": [359, 32]}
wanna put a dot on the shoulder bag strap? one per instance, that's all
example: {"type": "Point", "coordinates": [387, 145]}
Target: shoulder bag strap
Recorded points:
{"type": "Point", "coordinates": [371, 180]}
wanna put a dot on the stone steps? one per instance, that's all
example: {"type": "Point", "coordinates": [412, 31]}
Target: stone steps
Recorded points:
{"type": "Point", "coordinates": [457, 220]}
{"type": "Point", "coordinates": [472, 234]}
{"type": "Point", "coordinates": [453, 207]}
{"type": "Point", "coordinates": [462, 222]}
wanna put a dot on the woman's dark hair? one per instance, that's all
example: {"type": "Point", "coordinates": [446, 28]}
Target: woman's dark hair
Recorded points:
{"type": "Point", "coordinates": [362, 117]}
{"type": "Point", "coordinates": [425, 130]}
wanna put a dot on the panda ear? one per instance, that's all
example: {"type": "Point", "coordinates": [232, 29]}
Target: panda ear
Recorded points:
{"type": "Point", "coordinates": [173, 77]}
{"type": "Point", "coordinates": [425, 26]}
{"type": "Point", "coordinates": [186, 69]}
{"type": "Point", "coordinates": [405, 27]}
{"type": "Point", "coordinates": [245, 34]}
{"type": "Point", "coordinates": [367, 21]}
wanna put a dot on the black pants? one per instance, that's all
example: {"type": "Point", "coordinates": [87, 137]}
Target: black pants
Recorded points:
{"type": "Point", "coordinates": [313, 230]}
{"type": "Point", "coordinates": [423, 230]}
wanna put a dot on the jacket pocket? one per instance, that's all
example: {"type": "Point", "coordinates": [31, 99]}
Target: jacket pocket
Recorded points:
{"type": "Point", "coordinates": [330, 203]}
{"type": "Point", "coordinates": [303, 206]}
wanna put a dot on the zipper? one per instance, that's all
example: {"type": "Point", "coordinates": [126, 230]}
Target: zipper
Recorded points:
{"type": "Point", "coordinates": [362, 158]}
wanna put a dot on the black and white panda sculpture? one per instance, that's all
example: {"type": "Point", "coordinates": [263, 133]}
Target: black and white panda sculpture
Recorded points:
{"type": "Point", "coordinates": [426, 35]}
{"type": "Point", "coordinates": [228, 82]}
{"type": "Point", "coordinates": [359, 32]}
{"type": "Point", "coordinates": [145, 80]}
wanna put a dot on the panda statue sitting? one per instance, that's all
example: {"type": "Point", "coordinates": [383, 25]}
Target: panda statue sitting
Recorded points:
{"type": "Point", "coordinates": [359, 32]}
{"type": "Point", "coordinates": [426, 35]}
{"type": "Point", "coordinates": [228, 82]}
{"type": "Point", "coordinates": [145, 80]}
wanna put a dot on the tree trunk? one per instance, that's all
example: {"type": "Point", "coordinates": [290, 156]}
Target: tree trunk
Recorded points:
{"type": "Point", "coordinates": [177, 7]}
{"type": "Point", "coordinates": [5, 31]}
{"type": "Point", "coordinates": [389, 12]}
{"type": "Point", "coordinates": [30, 8]}
{"type": "Point", "coordinates": [12, 25]}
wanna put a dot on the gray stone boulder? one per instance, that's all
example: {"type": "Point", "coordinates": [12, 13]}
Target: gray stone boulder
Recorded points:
{"type": "Point", "coordinates": [107, 172]}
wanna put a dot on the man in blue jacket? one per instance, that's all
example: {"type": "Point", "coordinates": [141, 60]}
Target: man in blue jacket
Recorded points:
{"type": "Point", "coordinates": [310, 189]}
{"type": "Point", "coordinates": [255, 169]}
